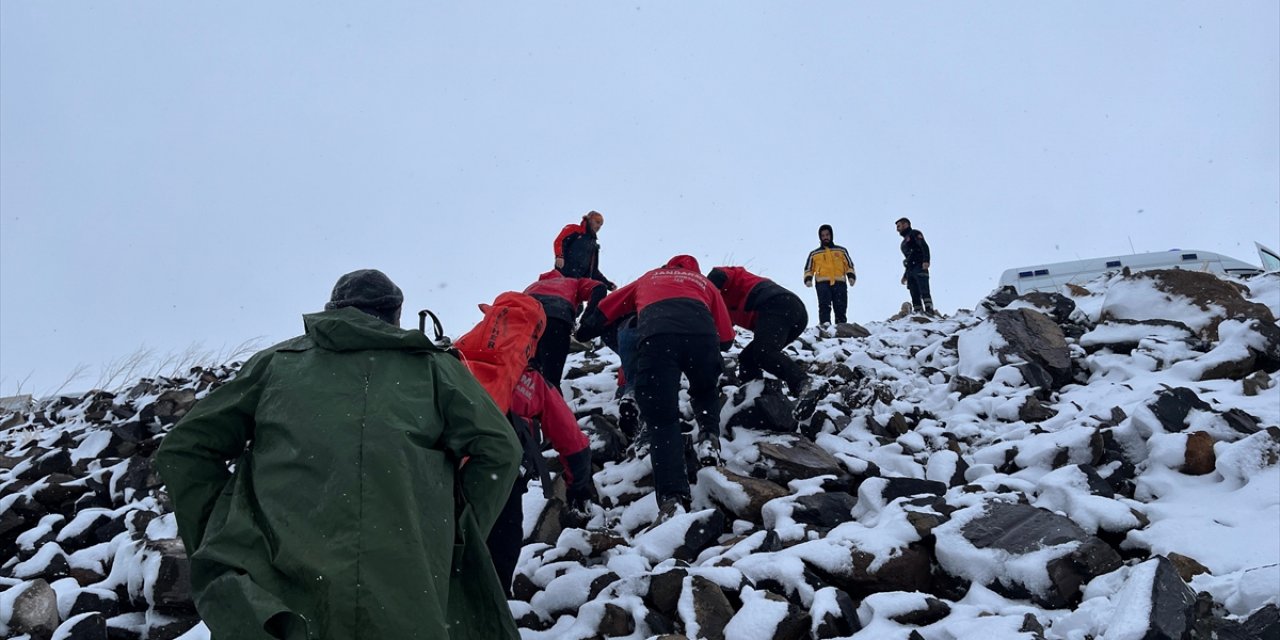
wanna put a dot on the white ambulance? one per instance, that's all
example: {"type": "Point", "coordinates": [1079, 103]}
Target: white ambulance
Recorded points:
{"type": "Point", "coordinates": [1052, 277]}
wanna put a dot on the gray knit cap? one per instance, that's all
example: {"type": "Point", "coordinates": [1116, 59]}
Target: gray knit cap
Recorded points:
{"type": "Point", "coordinates": [370, 291]}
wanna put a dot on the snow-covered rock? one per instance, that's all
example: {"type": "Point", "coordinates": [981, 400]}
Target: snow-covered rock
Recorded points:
{"type": "Point", "coordinates": [1102, 462]}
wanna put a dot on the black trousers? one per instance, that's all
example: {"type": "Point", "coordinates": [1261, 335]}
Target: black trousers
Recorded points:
{"type": "Point", "coordinates": [779, 321]}
{"type": "Point", "coordinates": [553, 349]}
{"type": "Point", "coordinates": [507, 535]}
{"type": "Point", "coordinates": [832, 294]}
{"type": "Point", "coordinates": [660, 362]}
{"type": "Point", "coordinates": [918, 285]}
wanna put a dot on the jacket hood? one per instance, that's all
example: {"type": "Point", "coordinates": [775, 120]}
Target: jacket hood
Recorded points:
{"type": "Point", "coordinates": [688, 263]}
{"type": "Point", "coordinates": [827, 228]}
{"type": "Point", "coordinates": [349, 329]}
{"type": "Point", "coordinates": [551, 275]}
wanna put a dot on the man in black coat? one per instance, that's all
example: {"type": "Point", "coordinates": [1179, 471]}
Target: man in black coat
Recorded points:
{"type": "Point", "coordinates": [915, 263]}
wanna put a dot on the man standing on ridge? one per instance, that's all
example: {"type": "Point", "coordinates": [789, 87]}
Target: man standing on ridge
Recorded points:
{"type": "Point", "coordinates": [915, 263]}
{"type": "Point", "coordinates": [578, 251]}
{"type": "Point", "coordinates": [682, 325]}
{"type": "Point", "coordinates": [350, 513]}
{"type": "Point", "coordinates": [830, 266]}
{"type": "Point", "coordinates": [561, 298]}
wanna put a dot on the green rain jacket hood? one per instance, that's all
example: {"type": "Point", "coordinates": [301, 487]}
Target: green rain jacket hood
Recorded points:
{"type": "Point", "coordinates": [347, 515]}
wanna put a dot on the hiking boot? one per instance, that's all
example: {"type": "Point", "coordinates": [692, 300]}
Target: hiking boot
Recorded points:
{"type": "Point", "coordinates": [807, 399]}
{"type": "Point", "coordinates": [671, 507]}
{"type": "Point", "coordinates": [628, 416]}
{"type": "Point", "coordinates": [640, 444]}
{"type": "Point", "coordinates": [707, 450]}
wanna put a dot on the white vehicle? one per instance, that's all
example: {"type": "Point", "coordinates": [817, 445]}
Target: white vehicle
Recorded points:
{"type": "Point", "coordinates": [1052, 277]}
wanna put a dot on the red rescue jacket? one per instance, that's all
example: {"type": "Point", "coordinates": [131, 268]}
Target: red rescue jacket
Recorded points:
{"type": "Point", "coordinates": [675, 298]}
{"type": "Point", "coordinates": [561, 296]}
{"type": "Point", "coordinates": [534, 399]}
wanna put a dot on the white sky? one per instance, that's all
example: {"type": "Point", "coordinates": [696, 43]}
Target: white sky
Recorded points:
{"type": "Point", "coordinates": [178, 174]}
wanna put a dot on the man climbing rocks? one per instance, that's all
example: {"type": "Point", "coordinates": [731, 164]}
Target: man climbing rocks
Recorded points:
{"type": "Point", "coordinates": [682, 325]}
{"type": "Point", "coordinates": [776, 317]}
{"type": "Point", "coordinates": [562, 299]}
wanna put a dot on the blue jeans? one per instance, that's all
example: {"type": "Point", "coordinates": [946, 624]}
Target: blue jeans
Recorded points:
{"type": "Point", "coordinates": [628, 344]}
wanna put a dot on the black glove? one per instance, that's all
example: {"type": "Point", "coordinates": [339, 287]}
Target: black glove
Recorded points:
{"type": "Point", "coordinates": [582, 490]}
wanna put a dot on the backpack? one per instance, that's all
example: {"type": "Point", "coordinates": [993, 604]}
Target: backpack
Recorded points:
{"type": "Point", "coordinates": [498, 349]}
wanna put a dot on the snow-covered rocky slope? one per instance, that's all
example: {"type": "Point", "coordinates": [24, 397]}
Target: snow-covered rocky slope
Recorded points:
{"type": "Point", "coordinates": [1101, 464]}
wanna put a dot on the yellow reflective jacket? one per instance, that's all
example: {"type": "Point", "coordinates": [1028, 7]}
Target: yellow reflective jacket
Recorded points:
{"type": "Point", "coordinates": [828, 264]}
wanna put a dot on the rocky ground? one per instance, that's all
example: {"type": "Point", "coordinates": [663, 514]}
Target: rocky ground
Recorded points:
{"type": "Point", "coordinates": [1096, 464]}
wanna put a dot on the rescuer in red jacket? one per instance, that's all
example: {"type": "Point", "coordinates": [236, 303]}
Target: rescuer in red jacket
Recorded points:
{"type": "Point", "coordinates": [577, 249]}
{"type": "Point", "coordinates": [682, 325]}
{"type": "Point", "coordinates": [562, 298]}
{"type": "Point", "coordinates": [776, 317]}
{"type": "Point", "coordinates": [541, 414]}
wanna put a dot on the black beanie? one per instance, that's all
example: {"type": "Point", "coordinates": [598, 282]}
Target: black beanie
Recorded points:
{"type": "Point", "coordinates": [370, 291]}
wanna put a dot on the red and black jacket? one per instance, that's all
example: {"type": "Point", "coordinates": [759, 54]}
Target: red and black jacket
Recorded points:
{"type": "Point", "coordinates": [744, 292]}
{"type": "Point", "coordinates": [673, 299]}
{"type": "Point", "coordinates": [578, 246]}
{"type": "Point", "coordinates": [561, 296]}
{"type": "Point", "coordinates": [535, 400]}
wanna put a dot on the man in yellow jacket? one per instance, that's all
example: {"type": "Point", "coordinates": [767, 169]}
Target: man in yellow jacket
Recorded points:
{"type": "Point", "coordinates": [830, 266]}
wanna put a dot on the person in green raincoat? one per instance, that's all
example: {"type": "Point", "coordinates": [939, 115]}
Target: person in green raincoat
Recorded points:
{"type": "Point", "coordinates": [369, 466]}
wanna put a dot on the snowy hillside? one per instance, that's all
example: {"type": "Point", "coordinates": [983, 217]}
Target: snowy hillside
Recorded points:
{"type": "Point", "coordinates": [1104, 464]}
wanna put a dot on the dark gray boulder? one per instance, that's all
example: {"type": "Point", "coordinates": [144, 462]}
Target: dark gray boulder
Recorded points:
{"type": "Point", "coordinates": [932, 611]}
{"type": "Point", "coordinates": [711, 609]}
{"type": "Point", "coordinates": [171, 589]}
{"type": "Point", "coordinates": [35, 610]}
{"type": "Point", "coordinates": [167, 409]}
{"type": "Point", "coordinates": [797, 460]}
{"type": "Point", "coordinates": [824, 510]}
{"type": "Point", "coordinates": [1172, 406]}
{"type": "Point", "coordinates": [895, 488]}
{"type": "Point", "coordinates": [758, 492]}
{"type": "Point", "coordinates": [1031, 336]}
{"type": "Point", "coordinates": [911, 569]}
{"type": "Point", "coordinates": [769, 411]}
{"type": "Point", "coordinates": [838, 622]}
{"type": "Point", "coordinates": [616, 622]}
{"type": "Point", "coordinates": [90, 625]}
{"type": "Point", "coordinates": [1021, 529]}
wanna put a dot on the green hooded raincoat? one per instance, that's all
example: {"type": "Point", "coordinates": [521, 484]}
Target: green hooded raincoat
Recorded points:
{"type": "Point", "coordinates": [346, 515]}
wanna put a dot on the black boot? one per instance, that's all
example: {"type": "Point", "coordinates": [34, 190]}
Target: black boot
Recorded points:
{"type": "Point", "coordinates": [807, 399]}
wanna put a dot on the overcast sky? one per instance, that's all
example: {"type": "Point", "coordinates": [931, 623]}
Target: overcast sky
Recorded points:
{"type": "Point", "coordinates": [179, 174]}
